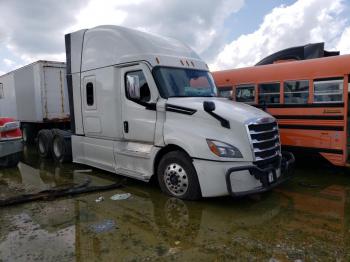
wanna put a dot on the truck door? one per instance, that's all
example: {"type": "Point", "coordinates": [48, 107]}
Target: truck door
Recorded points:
{"type": "Point", "coordinates": [139, 96]}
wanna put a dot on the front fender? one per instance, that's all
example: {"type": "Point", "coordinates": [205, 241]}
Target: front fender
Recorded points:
{"type": "Point", "coordinates": [188, 148]}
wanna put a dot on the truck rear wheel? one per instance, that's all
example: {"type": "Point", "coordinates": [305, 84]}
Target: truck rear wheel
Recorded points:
{"type": "Point", "coordinates": [61, 146]}
{"type": "Point", "coordinates": [44, 142]}
{"type": "Point", "coordinates": [177, 176]}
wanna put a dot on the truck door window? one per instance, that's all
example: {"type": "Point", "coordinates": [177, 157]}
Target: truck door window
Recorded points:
{"type": "Point", "coordinates": [136, 87]}
{"type": "Point", "coordinates": [296, 92]}
{"type": "Point", "coordinates": [245, 93]}
{"type": "Point", "coordinates": [90, 94]}
{"type": "Point", "coordinates": [328, 91]}
{"type": "Point", "coordinates": [269, 93]}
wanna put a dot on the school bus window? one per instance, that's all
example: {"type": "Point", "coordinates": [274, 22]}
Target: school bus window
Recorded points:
{"type": "Point", "coordinates": [269, 93]}
{"type": "Point", "coordinates": [296, 92]}
{"type": "Point", "coordinates": [245, 94]}
{"type": "Point", "coordinates": [328, 91]}
{"type": "Point", "coordinates": [225, 91]}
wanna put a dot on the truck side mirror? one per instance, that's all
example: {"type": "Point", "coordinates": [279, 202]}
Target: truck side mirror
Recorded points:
{"type": "Point", "coordinates": [209, 106]}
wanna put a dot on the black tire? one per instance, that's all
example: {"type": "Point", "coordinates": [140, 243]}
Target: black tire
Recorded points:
{"type": "Point", "coordinates": [44, 143]}
{"type": "Point", "coordinates": [28, 134]}
{"type": "Point", "coordinates": [61, 146]}
{"type": "Point", "coordinates": [10, 160]}
{"type": "Point", "coordinates": [177, 176]}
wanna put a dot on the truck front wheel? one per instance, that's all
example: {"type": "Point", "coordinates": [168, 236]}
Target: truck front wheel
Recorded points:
{"type": "Point", "coordinates": [177, 176]}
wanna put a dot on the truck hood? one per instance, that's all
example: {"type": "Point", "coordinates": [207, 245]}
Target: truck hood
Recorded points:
{"type": "Point", "coordinates": [232, 111]}
{"type": "Point", "coordinates": [190, 126]}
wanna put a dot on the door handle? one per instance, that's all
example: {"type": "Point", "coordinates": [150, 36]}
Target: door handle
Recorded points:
{"type": "Point", "coordinates": [126, 127]}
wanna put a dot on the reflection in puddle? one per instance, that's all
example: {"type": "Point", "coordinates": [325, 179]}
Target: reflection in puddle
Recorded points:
{"type": "Point", "coordinates": [291, 223]}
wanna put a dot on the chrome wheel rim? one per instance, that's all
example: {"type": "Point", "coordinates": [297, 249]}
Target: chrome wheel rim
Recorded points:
{"type": "Point", "coordinates": [176, 179]}
{"type": "Point", "coordinates": [56, 148]}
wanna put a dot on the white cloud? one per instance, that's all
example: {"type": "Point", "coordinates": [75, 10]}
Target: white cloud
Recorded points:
{"type": "Point", "coordinates": [303, 22]}
{"type": "Point", "coordinates": [198, 23]}
{"type": "Point", "coordinates": [95, 13]}
{"type": "Point", "coordinates": [35, 29]}
{"type": "Point", "coordinates": [344, 42]}
{"type": "Point", "coordinates": [38, 27]}
{"type": "Point", "coordinates": [8, 62]}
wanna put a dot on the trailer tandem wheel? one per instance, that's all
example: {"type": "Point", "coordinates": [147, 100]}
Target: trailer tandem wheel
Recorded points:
{"type": "Point", "coordinates": [61, 146]}
{"type": "Point", "coordinates": [44, 143]}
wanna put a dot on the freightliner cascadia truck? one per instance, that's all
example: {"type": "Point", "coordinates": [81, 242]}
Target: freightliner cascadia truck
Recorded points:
{"type": "Point", "coordinates": [144, 105]}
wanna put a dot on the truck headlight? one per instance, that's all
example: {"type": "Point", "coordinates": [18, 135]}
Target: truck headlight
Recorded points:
{"type": "Point", "coordinates": [222, 149]}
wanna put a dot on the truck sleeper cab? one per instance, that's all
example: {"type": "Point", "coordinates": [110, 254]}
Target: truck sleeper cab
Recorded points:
{"type": "Point", "coordinates": [143, 105]}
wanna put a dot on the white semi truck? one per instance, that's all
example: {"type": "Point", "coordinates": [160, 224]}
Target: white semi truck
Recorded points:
{"type": "Point", "coordinates": [36, 95]}
{"type": "Point", "coordinates": [144, 105]}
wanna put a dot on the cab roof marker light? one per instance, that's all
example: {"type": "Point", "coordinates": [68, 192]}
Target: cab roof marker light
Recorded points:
{"type": "Point", "coordinates": [157, 59]}
{"type": "Point", "coordinates": [182, 63]}
{"type": "Point", "coordinates": [192, 63]}
{"type": "Point", "coordinates": [188, 64]}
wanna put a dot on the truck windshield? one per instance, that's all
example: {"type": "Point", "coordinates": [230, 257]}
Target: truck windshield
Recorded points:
{"type": "Point", "coordinates": [183, 82]}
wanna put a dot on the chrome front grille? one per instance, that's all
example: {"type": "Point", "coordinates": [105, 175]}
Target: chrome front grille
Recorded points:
{"type": "Point", "coordinates": [265, 139]}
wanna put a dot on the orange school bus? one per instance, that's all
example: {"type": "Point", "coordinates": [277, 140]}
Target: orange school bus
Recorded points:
{"type": "Point", "coordinates": [309, 98]}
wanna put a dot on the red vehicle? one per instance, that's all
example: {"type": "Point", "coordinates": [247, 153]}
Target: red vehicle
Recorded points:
{"type": "Point", "coordinates": [11, 145]}
{"type": "Point", "coordinates": [307, 90]}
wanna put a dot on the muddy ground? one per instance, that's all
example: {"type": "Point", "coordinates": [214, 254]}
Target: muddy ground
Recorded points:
{"type": "Point", "coordinates": [306, 219]}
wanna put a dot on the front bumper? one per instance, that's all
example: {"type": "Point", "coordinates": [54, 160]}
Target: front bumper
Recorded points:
{"type": "Point", "coordinates": [218, 178]}
{"type": "Point", "coordinates": [9, 147]}
{"type": "Point", "coordinates": [267, 176]}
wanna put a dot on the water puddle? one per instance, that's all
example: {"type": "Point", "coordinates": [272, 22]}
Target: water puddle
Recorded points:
{"type": "Point", "coordinates": [294, 222]}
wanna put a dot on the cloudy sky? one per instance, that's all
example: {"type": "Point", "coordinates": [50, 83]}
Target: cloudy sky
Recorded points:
{"type": "Point", "coordinates": [226, 33]}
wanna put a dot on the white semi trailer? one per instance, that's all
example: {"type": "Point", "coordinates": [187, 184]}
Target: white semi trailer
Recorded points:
{"type": "Point", "coordinates": [36, 95]}
{"type": "Point", "coordinates": [144, 105]}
